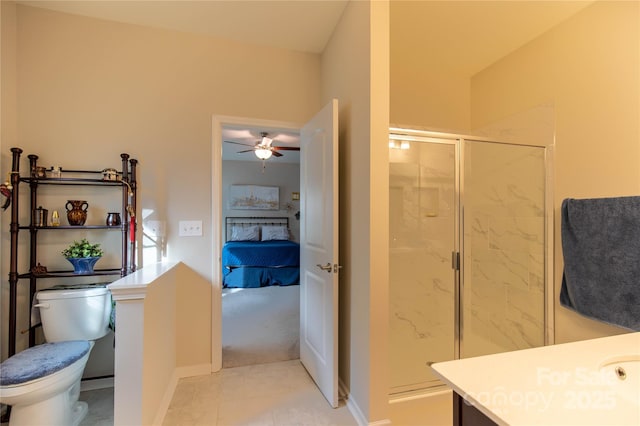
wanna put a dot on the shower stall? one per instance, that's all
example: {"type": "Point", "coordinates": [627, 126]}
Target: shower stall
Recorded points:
{"type": "Point", "coordinates": [470, 225]}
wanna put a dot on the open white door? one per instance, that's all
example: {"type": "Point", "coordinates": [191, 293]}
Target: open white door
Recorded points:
{"type": "Point", "coordinates": [319, 250]}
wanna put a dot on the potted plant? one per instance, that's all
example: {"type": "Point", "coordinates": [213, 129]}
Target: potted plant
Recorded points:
{"type": "Point", "coordinates": [83, 256]}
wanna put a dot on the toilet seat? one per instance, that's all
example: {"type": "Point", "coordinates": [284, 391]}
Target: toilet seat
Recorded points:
{"type": "Point", "coordinates": [41, 361]}
{"type": "Point", "coordinates": [51, 396]}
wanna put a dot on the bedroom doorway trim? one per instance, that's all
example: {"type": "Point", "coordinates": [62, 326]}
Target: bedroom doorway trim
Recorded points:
{"type": "Point", "coordinates": [217, 220]}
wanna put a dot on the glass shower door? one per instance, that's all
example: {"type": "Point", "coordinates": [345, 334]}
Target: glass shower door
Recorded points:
{"type": "Point", "coordinates": [423, 219]}
{"type": "Point", "coordinates": [503, 274]}
{"type": "Point", "coordinates": [486, 201]}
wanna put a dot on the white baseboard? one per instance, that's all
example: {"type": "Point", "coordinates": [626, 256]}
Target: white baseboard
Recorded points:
{"type": "Point", "coordinates": [193, 370]}
{"type": "Point", "coordinates": [354, 409]}
{"type": "Point", "coordinates": [178, 373]}
{"type": "Point", "coordinates": [163, 407]}
{"type": "Point", "coordinates": [94, 384]}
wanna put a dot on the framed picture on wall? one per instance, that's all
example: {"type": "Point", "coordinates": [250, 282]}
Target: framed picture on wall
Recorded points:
{"type": "Point", "coordinates": [254, 197]}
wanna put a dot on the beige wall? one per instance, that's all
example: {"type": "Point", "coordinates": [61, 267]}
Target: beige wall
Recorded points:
{"type": "Point", "coordinates": [8, 135]}
{"type": "Point", "coordinates": [8, 124]}
{"type": "Point", "coordinates": [193, 318]}
{"type": "Point", "coordinates": [423, 93]}
{"type": "Point", "coordinates": [589, 68]}
{"type": "Point", "coordinates": [355, 70]}
{"type": "Point", "coordinates": [125, 88]}
{"type": "Point", "coordinates": [8, 129]}
{"type": "Point", "coordinates": [91, 89]}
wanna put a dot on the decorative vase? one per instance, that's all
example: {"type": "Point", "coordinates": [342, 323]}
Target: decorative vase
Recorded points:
{"type": "Point", "coordinates": [77, 213]}
{"type": "Point", "coordinates": [113, 219]}
{"type": "Point", "coordinates": [83, 265]}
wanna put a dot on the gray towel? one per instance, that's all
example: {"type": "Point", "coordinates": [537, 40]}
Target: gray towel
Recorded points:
{"type": "Point", "coordinates": [601, 249]}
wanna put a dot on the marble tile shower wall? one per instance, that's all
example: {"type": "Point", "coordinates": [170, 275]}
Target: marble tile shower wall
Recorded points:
{"type": "Point", "coordinates": [503, 300]}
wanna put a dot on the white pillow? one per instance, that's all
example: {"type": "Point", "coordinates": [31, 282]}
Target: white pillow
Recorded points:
{"type": "Point", "coordinates": [277, 232]}
{"type": "Point", "coordinates": [245, 233]}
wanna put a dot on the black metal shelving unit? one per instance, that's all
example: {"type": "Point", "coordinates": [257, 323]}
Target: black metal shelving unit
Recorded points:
{"type": "Point", "coordinates": [126, 183]}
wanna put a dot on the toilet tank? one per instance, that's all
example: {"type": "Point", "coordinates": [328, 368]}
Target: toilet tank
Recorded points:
{"type": "Point", "coordinates": [74, 312]}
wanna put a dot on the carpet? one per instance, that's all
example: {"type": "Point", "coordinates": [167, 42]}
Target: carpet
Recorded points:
{"type": "Point", "coordinates": [260, 325]}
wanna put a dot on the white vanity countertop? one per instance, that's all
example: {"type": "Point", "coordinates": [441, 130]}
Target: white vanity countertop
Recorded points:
{"type": "Point", "coordinates": [553, 385]}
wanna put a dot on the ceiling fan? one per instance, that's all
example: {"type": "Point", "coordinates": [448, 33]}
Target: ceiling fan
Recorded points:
{"type": "Point", "coordinates": [263, 148]}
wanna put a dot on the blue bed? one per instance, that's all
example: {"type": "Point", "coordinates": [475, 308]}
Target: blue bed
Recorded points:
{"type": "Point", "coordinates": [253, 264]}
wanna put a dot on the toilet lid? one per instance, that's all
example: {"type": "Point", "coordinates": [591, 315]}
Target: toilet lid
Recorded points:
{"type": "Point", "coordinates": [71, 291]}
{"type": "Point", "coordinates": [40, 361]}
{"type": "Point", "coordinates": [78, 286]}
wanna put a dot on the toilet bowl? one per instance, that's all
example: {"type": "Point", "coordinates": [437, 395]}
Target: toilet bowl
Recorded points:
{"type": "Point", "coordinates": [42, 384]}
{"type": "Point", "coordinates": [68, 314]}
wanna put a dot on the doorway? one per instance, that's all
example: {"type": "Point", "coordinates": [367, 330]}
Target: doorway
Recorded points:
{"type": "Point", "coordinates": [318, 248]}
{"type": "Point", "coordinates": [261, 297]}
{"type": "Point", "coordinates": [469, 249]}
{"type": "Point", "coordinates": [245, 319]}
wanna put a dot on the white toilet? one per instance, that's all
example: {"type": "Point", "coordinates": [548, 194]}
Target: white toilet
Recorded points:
{"type": "Point", "coordinates": [71, 312]}
{"type": "Point", "coordinates": [42, 383]}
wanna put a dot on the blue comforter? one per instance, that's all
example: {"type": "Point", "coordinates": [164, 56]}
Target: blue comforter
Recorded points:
{"type": "Point", "coordinates": [260, 263]}
{"type": "Point", "coordinates": [260, 253]}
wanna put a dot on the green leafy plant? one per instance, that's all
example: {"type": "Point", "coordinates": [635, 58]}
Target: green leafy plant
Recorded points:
{"type": "Point", "coordinates": [82, 248]}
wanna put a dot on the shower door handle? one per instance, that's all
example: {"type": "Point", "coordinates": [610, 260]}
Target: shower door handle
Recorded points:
{"type": "Point", "coordinates": [455, 260]}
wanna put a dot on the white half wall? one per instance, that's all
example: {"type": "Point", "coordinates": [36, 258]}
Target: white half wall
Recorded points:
{"type": "Point", "coordinates": [163, 332]}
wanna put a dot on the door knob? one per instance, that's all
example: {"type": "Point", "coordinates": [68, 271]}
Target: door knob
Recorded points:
{"type": "Point", "coordinates": [326, 267]}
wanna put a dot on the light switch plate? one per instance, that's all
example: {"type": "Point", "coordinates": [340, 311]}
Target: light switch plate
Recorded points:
{"type": "Point", "coordinates": [190, 228]}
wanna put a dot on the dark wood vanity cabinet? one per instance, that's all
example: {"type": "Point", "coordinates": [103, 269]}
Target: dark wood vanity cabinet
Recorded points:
{"type": "Point", "coordinates": [466, 414]}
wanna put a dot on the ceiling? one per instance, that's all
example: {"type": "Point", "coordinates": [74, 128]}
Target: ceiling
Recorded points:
{"type": "Point", "coordinates": [461, 37]}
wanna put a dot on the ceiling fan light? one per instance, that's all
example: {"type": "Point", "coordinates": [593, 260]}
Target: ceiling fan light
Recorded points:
{"type": "Point", "coordinates": [262, 153]}
{"type": "Point", "coordinates": [266, 141]}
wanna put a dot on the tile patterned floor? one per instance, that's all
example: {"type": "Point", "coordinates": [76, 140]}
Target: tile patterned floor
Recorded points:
{"type": "Point", "coordinates": [274, 394]}
{"type": "Point", "coordinates": [280, 393]}
{"type": "Point", "coordinates": [100, 407]}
